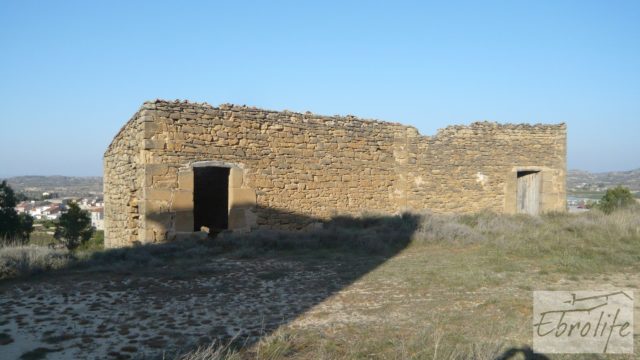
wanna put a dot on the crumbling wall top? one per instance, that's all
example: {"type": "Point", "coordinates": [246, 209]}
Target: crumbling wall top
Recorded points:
{"type": "Point", "coordinates": [346, 121]}
{"type": "Point", "coordinates": [295, 117]}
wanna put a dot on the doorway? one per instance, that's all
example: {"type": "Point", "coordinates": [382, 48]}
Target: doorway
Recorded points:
{"type": "Point", "coordinates": [211, 198]}
{"type": "Point", "coordinates": [528, 193]}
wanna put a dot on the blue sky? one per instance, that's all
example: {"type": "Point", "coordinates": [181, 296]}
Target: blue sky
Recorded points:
{"type": "Point", "coordinates": [72, 73]}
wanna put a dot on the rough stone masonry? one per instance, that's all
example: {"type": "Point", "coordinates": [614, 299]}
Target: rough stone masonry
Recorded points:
{"type": "Point", "coordinates": [289, 170]}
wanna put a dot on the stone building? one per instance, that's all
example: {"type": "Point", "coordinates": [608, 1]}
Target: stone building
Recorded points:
{"type": "Point", "coordinates": [178, 166]}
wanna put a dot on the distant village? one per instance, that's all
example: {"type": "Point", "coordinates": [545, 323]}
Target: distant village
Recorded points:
{"type": "Point", "coordinates": [52, 206]}
{"type": "Point", "coordinates": [583, 196]}
{"type": "Point", "coordinates": [580, 204]}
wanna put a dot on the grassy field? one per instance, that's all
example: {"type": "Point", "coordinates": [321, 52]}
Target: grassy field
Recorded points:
{"type": "Point", "coordinates": [419, 286]}
{"type": "Point", "coordinates": [462, 289]}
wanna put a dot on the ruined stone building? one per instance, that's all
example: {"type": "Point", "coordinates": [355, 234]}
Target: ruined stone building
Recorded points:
{"type": "Point", "coordinates": [178, 166]}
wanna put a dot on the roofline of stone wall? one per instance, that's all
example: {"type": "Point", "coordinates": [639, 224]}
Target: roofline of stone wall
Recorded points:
{"type": "Point", "coordinates": [305, 115]}
{"type": "Point", "coordinates": [514, 126]}
{"type": "Point", "coordinates": [492, 125]}
{"type": "Point", "coordinates": [124, 127]}
{"type": "Point", "coordinates": [478, 125]}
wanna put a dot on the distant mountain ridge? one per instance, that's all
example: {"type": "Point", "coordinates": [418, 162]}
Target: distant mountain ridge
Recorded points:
{"type": "Point", "coordinates": [62, 185]}
{"type": "Point", "coordinates": [588, 181]}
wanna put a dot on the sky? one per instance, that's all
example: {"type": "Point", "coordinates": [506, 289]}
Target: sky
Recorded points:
{"type": "Point", "coordinates": [73, 72]}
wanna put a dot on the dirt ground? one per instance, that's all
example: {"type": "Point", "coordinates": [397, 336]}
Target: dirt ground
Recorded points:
{"type": "Point", "coordinates": [128, 315]}
{"type": "Point", "coordinates": [163, 312]}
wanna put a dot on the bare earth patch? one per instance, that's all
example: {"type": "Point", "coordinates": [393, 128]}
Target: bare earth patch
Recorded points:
{"type": "Point", "coordinates": [409, 287]}
{"type": "Point", "coordinates": [171, 311]}
{"type": "Point", "coordinates": [127, 314]}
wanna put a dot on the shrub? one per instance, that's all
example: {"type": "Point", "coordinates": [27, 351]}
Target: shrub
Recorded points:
{"type": "Point", "coordinates": [616, 198]}
{"type": "Point", "coordinates": [74, 227]}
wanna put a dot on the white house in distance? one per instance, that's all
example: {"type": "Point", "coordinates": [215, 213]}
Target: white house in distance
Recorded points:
{"type": "Point", "coordinates": [53, 208]}
{"type": "Point", "coordinates": [40, 210]}
{"type": "Point", "coordinates": [97, 217]}
{"type": "Point", "coordinates": [52, 212]}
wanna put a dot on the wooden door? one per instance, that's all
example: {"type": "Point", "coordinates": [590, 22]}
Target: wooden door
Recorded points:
{"type": "Point", "coordinates": [528, 196]}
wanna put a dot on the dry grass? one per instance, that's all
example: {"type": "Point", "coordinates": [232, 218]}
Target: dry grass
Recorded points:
{"type": "Point", "coordinates": [453, 286]}
{"type": "Point", "coordinates": [471, 278]}
{"type": "Point", "coordinates": [213, 351]}
{"type": "Point", "coordinates": [569, 243]}
{"type": "Point", "coordinates": [560, 242]}
{"type": "Point", "coordinates": [16, 261]}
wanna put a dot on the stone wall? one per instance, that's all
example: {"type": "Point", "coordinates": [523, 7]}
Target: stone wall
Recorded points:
{"type": "Point", "coordinates": [289, 170]}
{"type": "Point", "coordinates": [472, 168]}
{"type": "Point", "coordinates": [123, 175]}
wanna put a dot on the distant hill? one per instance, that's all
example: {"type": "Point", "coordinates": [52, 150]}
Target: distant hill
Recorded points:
{"type": "Point", "coordinates": [579, 180]}
{"type": "Point", "coordinates": [34, 186]}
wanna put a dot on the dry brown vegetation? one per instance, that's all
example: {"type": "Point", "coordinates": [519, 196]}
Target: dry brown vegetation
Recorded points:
{"type": "Point", "coordinates": [461, 289]}
{"type": "Point", "coordinates": [443, 287]}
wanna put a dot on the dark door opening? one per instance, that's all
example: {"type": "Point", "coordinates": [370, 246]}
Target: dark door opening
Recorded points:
{"type": "Point", "coordinates": [210, 198]}
{"type": "Point", "coordinates": [528, 193]}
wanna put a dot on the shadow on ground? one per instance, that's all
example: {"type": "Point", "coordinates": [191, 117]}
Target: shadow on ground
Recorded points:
{"type": "Point", "coordinates": [157, 301]}
{"type": "Point", "coordinates": [525, 353]}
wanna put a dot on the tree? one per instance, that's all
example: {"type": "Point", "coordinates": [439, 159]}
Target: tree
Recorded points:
{"type": "Point", "coordinates": [617, 198]}
{"type": "Point", "coordinates": [74, 227]}
{"type": "Point", "coordinates": [26, 227]}
{"type": "Point", "coordinates": [7, 196]}
{"type": "Point", "coordinates": [13, 226]}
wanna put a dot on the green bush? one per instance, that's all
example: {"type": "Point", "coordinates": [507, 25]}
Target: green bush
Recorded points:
{"type": "Point", "coordinates": [74, 227]}
{"type": "Point", "coordinates": [617, 198]}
